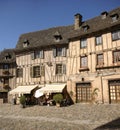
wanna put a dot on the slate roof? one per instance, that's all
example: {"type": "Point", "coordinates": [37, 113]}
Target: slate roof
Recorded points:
{"type": "Point", "coordinates": [7, 56]}
{"type": "Point", "coordinates": [97, 25]}
{"type": "Point", "coordinates": [46, 37]}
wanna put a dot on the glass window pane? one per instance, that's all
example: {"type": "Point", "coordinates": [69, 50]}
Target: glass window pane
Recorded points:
{"type": "Point", "coordinates": [116, 56]}
{"type": "Point", "coordinates": [100, 59]}
{"type": "Point", "coordinates": [84, 61]}
{"type": "Point", "coordinates": [98, 40]}
{"type": "Point", "coordinates": [83, 43]}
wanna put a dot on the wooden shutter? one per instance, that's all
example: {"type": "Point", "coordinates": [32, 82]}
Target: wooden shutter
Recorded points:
{"type": "Point", "coordinates": [54, 52]}
{"type": "Point", "coordinates": [42, 70]}
{"type": "Point", "coordinates": [64, 69]}
{"type": "Point", "coordinates": [63, 51]}
{"type": "Point", "coordinates": [32, 56]}
{"type": "Point", "coordinates": [31, 72]}
{"type": "Point", "coordinates": [41, 54]}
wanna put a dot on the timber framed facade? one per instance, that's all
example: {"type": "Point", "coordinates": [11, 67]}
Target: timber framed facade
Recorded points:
{"type": "Point", "coordinates": [85, 56]}
{"type": "Point", "coordinates": [7, 73]}
{"type": "Point", "coordinates": [95, 57]}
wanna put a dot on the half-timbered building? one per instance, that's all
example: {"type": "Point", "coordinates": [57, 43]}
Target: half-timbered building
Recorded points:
{"type": "Point", "coordinates": [94, 58]}
{"type": "Point", "coordinates": [7, 73]}
{"type": "Point", "coordinates": [84, 57]}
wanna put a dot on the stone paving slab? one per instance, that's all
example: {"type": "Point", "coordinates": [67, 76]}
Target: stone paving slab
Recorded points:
{"type": "Point", "coordinates": [74, 117]}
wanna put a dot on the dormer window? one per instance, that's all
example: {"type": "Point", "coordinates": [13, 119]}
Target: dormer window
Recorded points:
{"type": "Point", "coordinates": [104, 14]}
{"type": "Point", "coordinates": [57, 36]}
{"type": "Point", "coordinates": [114, 17]}
{"type": "Point", "coordinates": [25, 43]}
{"type": "Point", "coordinates": [8, 56]}
{"type": "Point", "coordinates": [85, 28]}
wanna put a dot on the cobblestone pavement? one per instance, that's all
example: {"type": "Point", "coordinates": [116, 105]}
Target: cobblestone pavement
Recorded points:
{"type": "Point", "coordinates": [74, 117]}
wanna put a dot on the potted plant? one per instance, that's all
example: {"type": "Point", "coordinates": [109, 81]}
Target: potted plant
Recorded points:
{"type": "Point", "coordinates": [23, 101]}
{"type": "Point", "coordinates": [58, 99]}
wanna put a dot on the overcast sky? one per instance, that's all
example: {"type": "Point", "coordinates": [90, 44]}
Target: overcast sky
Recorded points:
{"type": "Point", "coordinates": [22, 16]}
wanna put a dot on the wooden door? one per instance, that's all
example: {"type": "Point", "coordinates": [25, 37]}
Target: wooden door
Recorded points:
{"type": "Point", "coordinates": [83, 92]}
{"type": "Point", "coordinates": [114, 91]}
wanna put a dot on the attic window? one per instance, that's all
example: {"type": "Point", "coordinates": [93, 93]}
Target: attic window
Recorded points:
{"type": "Point", "coordinates": [8, 56]}
{"type": "Point", "coordinates": [57, 36]}
{"type": "Point", "coordinates": [25, 43]}
{"type": "Point", "coordinates": [104, 14]}
{"type": "Point", "coordinates": [114, 17]}
{"type": "Point", "coordinates": [85, 28]}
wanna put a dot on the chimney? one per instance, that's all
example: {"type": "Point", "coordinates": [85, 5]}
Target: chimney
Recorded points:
{"type": "Point", "coordinates": [78, 21]}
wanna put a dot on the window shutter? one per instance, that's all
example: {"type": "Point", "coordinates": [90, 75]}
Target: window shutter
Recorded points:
{"type": "Point", "coordinates": [64, 51]}
{"type": "Point", "coordinates": [31, 72]}
{"type": "Point", "coordinates": [32, 56]}
{"type": "Point", "coordinates": [64, 69]}
{"type": "Point", "coordinates": [17, 71]}
{"type": "Point", "coordinates": [54, 52]}
{"type": "Point", "coordinates": [21, 72]}
{"type": "Point", "coordinates": [41, 54]}
{"type": "Point", "coordinates": [42, 70]}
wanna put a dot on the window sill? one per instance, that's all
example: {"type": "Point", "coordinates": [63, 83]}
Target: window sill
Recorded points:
{"type": "Point", "coordinates": [59, 74]}
{"type": "Point", "coordinates": [100, 66]}
{"type": "Point", "coordinates": [115, 39]}
{"type": "Point", "coordinates": [98, 44]}
{"type": "Point", "coordinates": [84, 69]}
{"type": "Point", "coordinates": [115, 65]}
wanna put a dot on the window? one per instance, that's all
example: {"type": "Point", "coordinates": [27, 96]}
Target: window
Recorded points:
{"type": "Point", "coordinates": [104, 14]}
{"type": "Point", "coordinates": [84, 61]}
{"type": "Point", "coordinates": [19, 72]}
{"type": "Point", "coordinates": [100, 60]}
{"type": "Point", "coordinates": [116, 56]}
{"type": "Point", "coordinates": [37, 71]}
{"type": "Point", "coordinates": [8, 56]}
{"type": "Point", "coordinates": [25, 43]}
{"type": "Point", "coordinates": [98, 40]}
{"type": "Point", "coordinates": [114, 17]}
{"type": "Point", "coordinates": [57, 36]}
{"type": "Point", "coordinates": [37, 54]}
{"type": "Point", "coordinates": [5, 66]}
{"type": "Point", "coordinates": [59, 51]}
{"type": "Point", "coordinates": [83, 43]}
{"type": "Point", "coordinates": [85, 28]}
{"type": "Point", "coordinates": [116, 35]}
{"type": "Point", "coordinates": [60, 69]}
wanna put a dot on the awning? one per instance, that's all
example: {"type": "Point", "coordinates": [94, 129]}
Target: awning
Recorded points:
{"type": "Point", "coordinates": [52, 88]}
{"type": "Point", "coordinates": [23, 89]}
{"type": "Point", "coordinates": [38, 94]}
